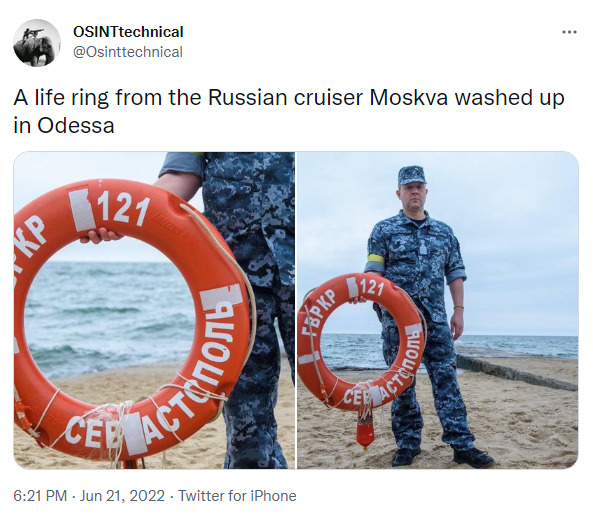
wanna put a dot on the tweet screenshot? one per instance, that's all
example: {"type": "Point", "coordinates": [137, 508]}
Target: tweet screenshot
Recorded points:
{"type": "Point", "coordinates": [284, 259]}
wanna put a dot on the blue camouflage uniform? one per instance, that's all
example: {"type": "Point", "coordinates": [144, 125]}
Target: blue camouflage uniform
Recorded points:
{"type": "Point", "coordinates": [250, 198]}
{"type": "Point", "coordinates": [419, 258]}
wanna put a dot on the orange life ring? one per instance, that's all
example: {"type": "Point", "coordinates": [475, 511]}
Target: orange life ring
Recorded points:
{"type": "Point", "coordinates": [221, 340]}
{"type": "Point", "coordinates": [320, 304]}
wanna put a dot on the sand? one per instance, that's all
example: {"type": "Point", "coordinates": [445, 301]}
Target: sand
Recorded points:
{"type": "Point", "coordinates": [520, 425]}
{"type": "Point", "coordinates": [204, 450]}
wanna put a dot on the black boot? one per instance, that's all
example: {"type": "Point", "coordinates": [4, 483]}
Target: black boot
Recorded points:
{"type": "Point", "coordinates": [473, 457]}
{"type": "Point", "coordinates": [404, 457]}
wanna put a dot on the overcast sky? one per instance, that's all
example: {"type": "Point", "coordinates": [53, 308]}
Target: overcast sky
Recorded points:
{"type": "Point", "coordinates": [515, 215]}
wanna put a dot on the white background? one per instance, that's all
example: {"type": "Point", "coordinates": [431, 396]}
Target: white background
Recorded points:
{"type": "Point", "coordinates": [311, 46]}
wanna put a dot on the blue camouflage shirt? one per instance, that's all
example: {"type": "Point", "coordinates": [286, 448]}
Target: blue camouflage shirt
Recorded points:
{"type": "Point", "coordinates": [417, 258]}
{"type": "Point", "coordinates": [250, 199]}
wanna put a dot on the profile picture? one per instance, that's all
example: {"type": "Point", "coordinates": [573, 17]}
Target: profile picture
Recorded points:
{"type": "Point", "coordinates": [36, 43]}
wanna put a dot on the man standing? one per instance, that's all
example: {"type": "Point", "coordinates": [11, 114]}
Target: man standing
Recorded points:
{"type": "Point", "coordinates": [418, 253]}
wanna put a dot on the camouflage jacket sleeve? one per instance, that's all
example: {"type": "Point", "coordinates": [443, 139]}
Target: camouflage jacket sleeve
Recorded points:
{"type": "Point", "coordinates": [377, 251]}
{"type": "Point", "coordinates": [454, 267]}
{"type": "Point", "coordinates": [189, 162]}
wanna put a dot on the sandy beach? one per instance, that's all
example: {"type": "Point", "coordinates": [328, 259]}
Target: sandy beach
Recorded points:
{"type": "Point", "coordinates": [204, 450]}
{"type": "Point", "coordinates": [523, 426]}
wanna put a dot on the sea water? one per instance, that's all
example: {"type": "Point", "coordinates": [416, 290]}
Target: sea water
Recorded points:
{"type": "Point", "coordinates": [87, 317]}
{"type": "Point", "coordinates": [350, 351]}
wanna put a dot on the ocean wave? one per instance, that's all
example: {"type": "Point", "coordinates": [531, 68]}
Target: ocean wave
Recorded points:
{"type": "Point", "coordinates": [92, 310]}
{"type": "Point", "coordinates": [66, 360]}
{"type": "Point", "coordinates": [357, 368]}
{"type": "Point", "coordinates": [177, 325]}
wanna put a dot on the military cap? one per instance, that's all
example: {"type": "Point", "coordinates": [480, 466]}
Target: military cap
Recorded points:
{"type": "Point", "coordinates": [411, 174]}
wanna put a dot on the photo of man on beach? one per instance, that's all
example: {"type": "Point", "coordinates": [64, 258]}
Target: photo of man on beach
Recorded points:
{"type": "Point", "coordinates": [510, 269]}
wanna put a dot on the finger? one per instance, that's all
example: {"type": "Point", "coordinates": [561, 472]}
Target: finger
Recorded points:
{"type": "Point", "coordinates": [94, 237]}
{"type": "Point", "coordinates": [114, 236]}
{"type": "Point", "coordinates": [357, 300]}
{"type": "Point", "coordinates": [104, 234]}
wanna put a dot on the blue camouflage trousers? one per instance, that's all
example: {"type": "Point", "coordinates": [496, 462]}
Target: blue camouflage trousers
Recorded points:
{"type": "Point", "coordinates": [249, 413]}
{"type": "Point", "coordinates": [441, 365]}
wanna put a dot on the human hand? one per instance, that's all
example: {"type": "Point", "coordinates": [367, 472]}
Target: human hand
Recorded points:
{"type": "Point", "coordinates": [357, 300]}
{"type": "Point", "coordinates": [102, 235]}
{"type": "Point", "coordinates": [457, 323]}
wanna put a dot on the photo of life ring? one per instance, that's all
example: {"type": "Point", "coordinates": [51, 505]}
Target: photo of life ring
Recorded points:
{"type": "Point", "coordinates": [361, 397]}
{"type": "Point", "coordinates": [126, 432]}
